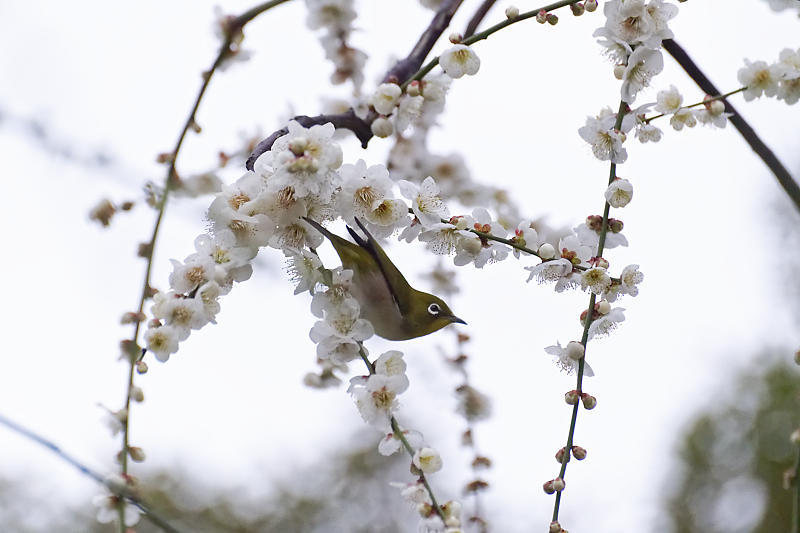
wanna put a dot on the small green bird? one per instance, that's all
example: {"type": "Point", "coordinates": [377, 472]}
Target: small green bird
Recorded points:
{"type": "Point", "coordinates": [396, 310]}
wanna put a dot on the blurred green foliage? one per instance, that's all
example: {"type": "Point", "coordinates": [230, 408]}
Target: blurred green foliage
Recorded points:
{"type": "Point", "coordinates": [734, 456]}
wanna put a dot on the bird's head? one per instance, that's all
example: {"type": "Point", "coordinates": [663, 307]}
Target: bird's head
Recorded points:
{"type": "Point", "coordinates": [428, 313]}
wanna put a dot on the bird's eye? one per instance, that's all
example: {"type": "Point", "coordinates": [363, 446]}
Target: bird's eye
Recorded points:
{"type": "Point", "coordinates": [434, 309]}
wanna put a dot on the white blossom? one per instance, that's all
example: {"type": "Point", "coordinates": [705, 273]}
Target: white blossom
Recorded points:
{"type": "Point", "coordinates": [604, 325]}
{"type": "Point", "coordinates": [565, 362]}
{"type": "Point", "coordinates": [426, 202]}
{"type": "Point", "coordinates": [630, 279]}
{"type": "Point", "coordinates": [643, 64]}
{"type": "Point", "coordinates": [162, 341]}
{"type": "Point", "coordinates": [460, 60]}
{"type": "Point", "coordinates": [683, 117]}
{"type": "Point", "coordinates": [759, 78]}
{"type": "Point", "coordinates": [619, 193]}
{"type": "Point", "coordinates": [428, 460]}
{"type": "Point", "coordinates": [606, 141]}
{"type": "Point", "coordinates": [385, 98]}
{"type": "Point", "coordinates": [669, 100]}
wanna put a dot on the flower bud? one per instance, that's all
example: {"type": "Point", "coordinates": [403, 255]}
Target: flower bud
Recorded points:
{"type": "Point", "coordinates": [298, 146]}
{"type": "Point", "coordinates": [558, 484]}
{"type": "Point", "coordinates": [136, 453]}
{"type": "Point", "coordinates": [456, 38]}
{"type": "Point", "coordinates": [130, 350]}
{"type": "Point", "coordinates": [579, 453]}
{"type": "Point", "coordinates": [541, 16]}
{"type": "Point", "coordinates": [382, 127]}
{"type": "Point", "coordinates": [413, 88]}
{"type": "Point", "coordinates": [547, 251]}
{"type": "Point", "coordinates": [481, 461]}
{"type": "Point", "coordinates": [141, 367]}
{"type": "Point", "coordinates": [716, 108]}
{"type": "Point", "coordinates": [548, 487]}
{"type": "Point", "coordinates": [577, 9]}
{"type": "Point", "coordinates": [476, 486]}
{"type": "Point", "coordinates": [512, 12]}
{"type": "Point", "coordinates": [603, 307]}
{"type": "Point", "coordinates": [599, 262]}
{"type": "Point", "coordinates": [131, 318]}
{"type": "Point", "coordinates": [619, 71]}
{"type": "Point", "coordinates": [615, 225]}
{"type": "Point", "coordinates": [555, 527]}
{"type": "Point", "coordinates": [137, 394]}
{"type": "Point", "coordinates": [552, 19]}
{"type": "Point", "coordinates": [572, 397]}
{"type": "Point", "coordinates": [575, 350]}
{"type": "Point", "coordinates": [562, 455]}
{"type": "Point", "coordinates": [589, 401]}
{"type": "Point", "coordinates": [590, 5]}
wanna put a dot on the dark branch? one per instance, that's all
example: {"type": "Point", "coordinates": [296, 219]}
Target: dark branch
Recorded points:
{"type": "Point", "coordinates": [762, 150]}
{"type": "Point", "coordinates": [405, 68]}
{"type": "Point", "coordinates": [477, 18]}
{"type": "Point", "coordinates": [400, 72]}
{"type": "Point", "coordinates": [348, 120]}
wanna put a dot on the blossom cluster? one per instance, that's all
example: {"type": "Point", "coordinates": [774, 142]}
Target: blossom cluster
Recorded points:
{"type": "Point", "coordinates": [336, 17]}
{"type": "Point", "coordinates": [632, 37]}
{"type": "Point", "coordinates": [780, 79]}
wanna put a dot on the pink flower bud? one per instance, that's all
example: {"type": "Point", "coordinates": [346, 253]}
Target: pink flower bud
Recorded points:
{"type": "Point", "coordinates": [589, 401]}
{"type": "Point", "coordinates": [579, 453]}
{"type": "Point", "coordinates": [572, 397]}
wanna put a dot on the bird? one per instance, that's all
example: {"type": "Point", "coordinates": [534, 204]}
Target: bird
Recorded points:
{"type": "Point", "coordinates": [396, 310]}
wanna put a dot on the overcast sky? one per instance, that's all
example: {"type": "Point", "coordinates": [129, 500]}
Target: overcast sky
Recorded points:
{"type": "Point", "coordinates": [120, 78]}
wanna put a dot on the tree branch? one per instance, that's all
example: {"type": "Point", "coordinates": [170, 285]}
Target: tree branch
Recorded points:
{"type": "Point", "coordinates": [478, 17]}
{"type": "Point", "coordinates": [763, 151]}
{"type": "Point", "coordinates": [400, 72]}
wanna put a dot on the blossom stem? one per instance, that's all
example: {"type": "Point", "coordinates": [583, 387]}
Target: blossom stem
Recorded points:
{"type": "Point", "coordinates": [487, 32]}
{"type": "Point", "coordinates": [398, 433]}
{"type": "Point", "coordinates": [711, 99]}
{"type": "Point", "coordinates": [172, 179]}
{"type": "Point", "coordinates": [623, 107]}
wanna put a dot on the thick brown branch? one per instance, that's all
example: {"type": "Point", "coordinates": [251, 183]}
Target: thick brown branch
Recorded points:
{"type": "Point", "coordinates": [400, 72]}
{"type": "Point", "coordinates": [763, 151]}
{"type": "Point", "coordinates": [347, 120]}
{"type": "Point", "coordinates": [405, 68]}
{"type": "Point", "coordinates": [478, 17]}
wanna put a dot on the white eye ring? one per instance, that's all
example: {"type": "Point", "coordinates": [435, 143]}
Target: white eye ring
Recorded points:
{"type": "Point", "coordinates": [434, 309]}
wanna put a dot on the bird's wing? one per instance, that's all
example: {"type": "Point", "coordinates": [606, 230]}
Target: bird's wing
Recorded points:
{"type": "Point", "coordinates": [348, 252]}
{"type": "Point", "coordinates": [398, 286]}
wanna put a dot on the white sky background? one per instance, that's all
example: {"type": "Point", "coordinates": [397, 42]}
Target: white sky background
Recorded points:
{"type": "Point", "coordinates": [230, 406]}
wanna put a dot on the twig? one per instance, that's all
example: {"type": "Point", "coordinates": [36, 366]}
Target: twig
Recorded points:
{"type": "Point", "coordinates": [623, 107]}
{"type": "Point", "coordinates": [233, 35]}
{"type": "Point", "coordinates": [783, 176]}
{"type": "Point", "coordinates": [398, 433]}
{"type": "Point", "coordinates": [400, 72]}
{"type": "Point", "coordinates": [85, 470]}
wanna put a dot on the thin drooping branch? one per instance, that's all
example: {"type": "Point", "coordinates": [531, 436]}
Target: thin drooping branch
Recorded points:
{"type": "Point", "coordinates": [400, 72]}
{"type": "Point", "coordinates": [85, 470]}
{"type": "Point", "coordinates": [478, 17]}
{"type": "Point", "coordinates": [763, 151]}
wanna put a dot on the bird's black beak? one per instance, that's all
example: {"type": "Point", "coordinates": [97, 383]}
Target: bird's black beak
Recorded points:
{"type": "Point", "coordinates": [457, 320]}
